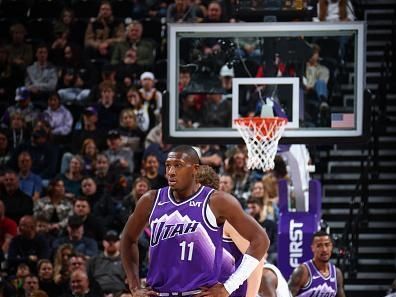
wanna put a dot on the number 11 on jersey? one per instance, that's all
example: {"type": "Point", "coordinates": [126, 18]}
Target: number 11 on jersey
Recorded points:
{"type": "Point", "coordinates": [190, 248]}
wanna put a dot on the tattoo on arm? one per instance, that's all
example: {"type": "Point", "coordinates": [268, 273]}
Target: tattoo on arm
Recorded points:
{"type": "Point", "coordinates": [298, 279]}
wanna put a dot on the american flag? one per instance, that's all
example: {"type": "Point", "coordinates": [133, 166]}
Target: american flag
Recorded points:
{"type": "Point", "coordinates": [342, 120]}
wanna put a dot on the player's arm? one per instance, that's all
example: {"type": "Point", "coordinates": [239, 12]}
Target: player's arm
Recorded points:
{"type": "Point", "coordinates": [298, 279]}
{"type": "Point", "coordinates": [226, 208]}
{"type": "Point", "coordinates": [130, 235]}
{"type": "Point", "coordinates": [340, 283]}
{"type": "Point", "coordinates": [269, 283]}
{"type": "Point", "coordinates": [253, 282]}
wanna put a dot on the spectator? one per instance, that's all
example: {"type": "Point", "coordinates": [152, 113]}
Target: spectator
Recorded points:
{"type": "Point", "coordinates": [140, 186]}
{"type": "Point", "coordinates": [106, 268]}
{"type": "Point", "coordinates": [181, 12]}
{"type": "Point", "coordinates": [149, 93]}
{"type": "Point", "coordinates": [75, 76]}
{"type": "Point", "coordinates": [17, 203]}
{"type": "Point", "coordinates": [27, 247]}
{"type": "Point", "coordinates": [93, 226]}
{"type": "Point", "coordinates": [90, 191]}
{"type": "Point", "coordinates": [145, 116]}
{"type": "Point", "coordinates": [61, 259]}
{"type": "Point", "coordinates": [38, 293]}
{"type": "Point", "coordinates": [43, 228]}
{"type": "Point", "coordinates": [75, 236]}
{"type": "Point", "coordinates": [270, 207]}
{"type": "Point", "coordinates": [128, 71]}
{"type": "Point", "coordinates": [236, 166]}
{"type": "Point", "coordinates": [8, 76]}
{"type": "Point", "coordinates": [117, 153]}
{"type": "Point", "coordinates": [103, 32]}
{"type": "Point", "coordinates": [255, 209]}
{"type": "Point", "coordinates": [226, 184]}
{"type": "Point", "coordinates": [216, 112]}
{"type": "Point", "coordinates": [102, 175]}
{"type": "Point", "coordinates": [8, 230]}
{"type": "Point", "coordinates": [44, 154]}
{"type": "Point", "coordinates": [80, 285]}
{"type": "Point", "coordinates": [41, 76]}
{"type": "Point", "coordinates": [21, 53]}
{"type": "Point", "coordinates": [59, 117]}
{"type": "Point", "coordinates": [215, 13]}
{"type": "Point", "coordinates": [31, 184]}
{"type": "Point", "coordinates": [145, 48]}
{"type": "Point", "coordinates": [54, 207]}
{"type": "Point", "coordinates": [67, 23]}
{"type": "Point", "coordinates": [73, 176]}
{"type": "Point", "coordinates": [107, 109]}
{"type": "Point", "coordinates": [75, 261]}
{"type": "Point", "coordinates": [315, 85]}
{"type": "Point", "coordinates": [23, 106]}
{"type": "Point", "coordinates": [30, 285]}
{"type": "Point", "coordinates": [211, 155]}
{"type": "Point", "coordinates": [5, 150]}
{"type": "Point", "coordinates": [19, 132]}
{"type": "Point", "coordinates": [131, 135]}
{"type": "Point", "coordinates": [226, 76]}
{"type": "Point", "coordinates": [89, 151]}
{"type": "Point", "coordinates": [184, 77]}
{"type": "Point", "coordinates": [88, 130]}
{"type": "Point", "coordinates": [45, 271]}
{"type": "Point", "coordinates": [150, 171]}
{"type": "Point", "coordinates": [334, 11]}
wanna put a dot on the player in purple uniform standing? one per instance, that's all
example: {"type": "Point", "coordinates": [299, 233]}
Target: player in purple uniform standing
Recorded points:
{"type": "Point", "coordinates": [318, 277]}
{"type": "Point", "coordinates": [186, 221]}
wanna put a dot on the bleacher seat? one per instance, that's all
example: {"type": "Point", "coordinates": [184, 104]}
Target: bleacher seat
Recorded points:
{"type": "Point", "coordinates": [85, 8]}
{"type": "Point", "coordinates": [47, 8]}
{"type": "Point", "coordinates": [14, 9]}
{"type": "Point", "coordinates": [40, 30]}
{"type": "Point", "coordinates": [122, 8]}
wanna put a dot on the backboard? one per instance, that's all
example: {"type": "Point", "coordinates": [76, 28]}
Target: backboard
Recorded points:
{"type": "Point", "coordinates": [219, 72]}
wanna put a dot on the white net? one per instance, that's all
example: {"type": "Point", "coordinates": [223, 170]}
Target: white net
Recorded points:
{"type": "Point", "coordinates": [261, 136]}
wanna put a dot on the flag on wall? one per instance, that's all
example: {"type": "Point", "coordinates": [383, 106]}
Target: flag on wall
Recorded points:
{"type": "Point", "coordinates": [342, 120]}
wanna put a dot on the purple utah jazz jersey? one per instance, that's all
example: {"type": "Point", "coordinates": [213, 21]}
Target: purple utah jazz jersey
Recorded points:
{"type": "Point", "coordinates": [318, 285]}
{"type": "Point", "coordinates": [232, 258]}
{"type": "Point", "coordinates": [185, 248]}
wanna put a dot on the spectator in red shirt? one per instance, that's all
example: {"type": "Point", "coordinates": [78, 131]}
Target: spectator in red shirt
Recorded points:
{"type": "Point", "coordinates": [8, 229]}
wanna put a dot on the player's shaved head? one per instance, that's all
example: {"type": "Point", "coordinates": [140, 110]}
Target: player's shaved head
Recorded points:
{"type": "Point", "coordinates": [190, 154]}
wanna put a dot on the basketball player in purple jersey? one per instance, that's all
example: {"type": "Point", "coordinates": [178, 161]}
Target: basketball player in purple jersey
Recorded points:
{"type": "Point", "coordinates": [186, 221]}
{"type": "Point", "coordinates": [318, 277]}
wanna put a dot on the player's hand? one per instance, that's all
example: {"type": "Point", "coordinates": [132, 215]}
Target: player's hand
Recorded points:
{"type": "Point", "coordinates": [144, 292]}
{"type": "Point", "coordinates": [217, 290]}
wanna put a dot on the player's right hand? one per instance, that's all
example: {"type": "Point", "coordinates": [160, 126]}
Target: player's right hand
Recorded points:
{"type": "Point", "coordinates": [144, 292]}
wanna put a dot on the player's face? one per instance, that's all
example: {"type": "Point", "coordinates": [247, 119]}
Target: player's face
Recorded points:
{"type": "Point", "coordinates": [179, 171]}
{"type": "Point", "coordinates": [322, 248]}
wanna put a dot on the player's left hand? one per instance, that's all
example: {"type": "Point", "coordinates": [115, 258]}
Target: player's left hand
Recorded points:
{"type": "Point", "coordinates": [217, 290]}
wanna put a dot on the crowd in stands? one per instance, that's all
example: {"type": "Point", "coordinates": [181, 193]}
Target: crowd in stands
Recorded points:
{"type": "Point", "coordinates": [81, 142]}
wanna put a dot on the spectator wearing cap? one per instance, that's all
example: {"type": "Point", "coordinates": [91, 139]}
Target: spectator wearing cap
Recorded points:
{"type": "Point", "coordinates": [93, 226]}
{"type": "Point", "coordinates": [103, 32]}
{"type": "Point", "coordinates": [41, 77]}
{"type": "Point", "coordinates": [117, 153]}
{"type": "Point", "coordinates": [145, 48]}
{"type": "Point", "coordinates": [88, 130]}
{"type": "Point", "coordinates": [59, 117]}
{"type": "Point", "coordinates": [27, 247]}
{"type": "Point", "coordinates": [106, 268]}
{"type": "Point", "coordinates": [108, 111]}
{"type": "Point", "coordinates": [16, 202]}
{"type": "Point", "coordinates": [31, 184]}
{"type": "Point", "coordinates": [21, 53]}
{"type": "Point", "coordinates": [75, 236]}
{"type": "Point", "coordinates": [226, 76]}
{"type": "Point", "coordinates": [23, 106]}
{"type": "Point", "coordinates": [149, 93]}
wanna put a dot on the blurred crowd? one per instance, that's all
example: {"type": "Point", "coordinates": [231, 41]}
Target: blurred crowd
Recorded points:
{"type": "Point", "coordinates": [81, 141]}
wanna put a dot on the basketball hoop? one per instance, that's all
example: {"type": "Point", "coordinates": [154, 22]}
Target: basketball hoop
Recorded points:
{"type": "Point", "coordinates": [261, 136]}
